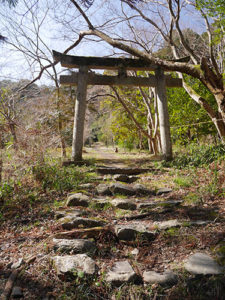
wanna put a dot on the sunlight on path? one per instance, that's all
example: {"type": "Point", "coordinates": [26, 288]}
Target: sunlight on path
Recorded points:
{"type": "Point", "coordinates": [106, 155]}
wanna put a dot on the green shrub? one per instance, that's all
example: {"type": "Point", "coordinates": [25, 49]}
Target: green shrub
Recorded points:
{"type": "Point", "coordinates": [57, 177]}
{"type": "Point", "coordinates": [197, 156]}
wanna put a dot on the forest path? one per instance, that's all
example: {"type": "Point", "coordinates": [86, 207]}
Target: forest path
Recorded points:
{"type": "Point", "coordinates": [106, 156]}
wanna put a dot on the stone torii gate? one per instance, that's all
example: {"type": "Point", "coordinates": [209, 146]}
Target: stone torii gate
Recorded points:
{"type": "Point", "coordinates": [83, 78]}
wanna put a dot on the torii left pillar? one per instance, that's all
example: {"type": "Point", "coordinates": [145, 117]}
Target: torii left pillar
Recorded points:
{"type": "Point", "coordinates": [79, 117]}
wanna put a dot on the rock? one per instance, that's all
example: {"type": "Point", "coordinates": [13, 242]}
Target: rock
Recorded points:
{"type": "Point", "coordinates": [142, 190]}
{"type": "Point", "coordinates": [121, 273]}
{"type": "Point", "coordinates": [101, 203]}
{"type": "Point", "coordinates": [72, 212]}
{"type": "Point", "coordinates": [167, 224]}
{"type": "Point", "coordinates": [127, 171]}
{"type": "Point", "coordinates": [17, 264]}
{"type": "Point", "coordinates": [125, 178]}
{"type": "Point", "coordinates": [71, 222]}
{"type": "Point", "coordinates": [168, 203]}
{"type": "Point", "coordinates": [17, 292]}
{"type": "Point", "coordinates": [86, 186]}
{"type": "Point", "coordinates": [124, 204]}
{"type": "Point", "coordinates": [78, 199]}
{"type": "Point", "coordinates": [123, 189]}
{"type": "Point", "coordinates": [198, 222]}
{"type": "Point", "coordinates": [74, 246]}
{"type": "Point", "coordinates": [166, 278]}
{"type": "Point", "coordinates": [130, 232]}
{"type": "Point", "coordinates": [104, 189]}
{"type": "Point", "coordinates": [66, 265]}
{"type": "Point", "coordinates": [201, 263]}
{"type": "Point", "coordinates": [163, 191]}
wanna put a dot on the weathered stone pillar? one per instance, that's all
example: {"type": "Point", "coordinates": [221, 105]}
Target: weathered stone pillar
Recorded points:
{"type": "Point", "coordinates": [79, 116]}
{"type": "Point", "coordinates": [164, 123]}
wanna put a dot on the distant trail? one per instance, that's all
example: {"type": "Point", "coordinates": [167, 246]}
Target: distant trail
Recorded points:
{"type": "Point", "coordinates": [106, 156]}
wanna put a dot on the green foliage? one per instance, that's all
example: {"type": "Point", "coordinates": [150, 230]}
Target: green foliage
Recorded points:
{"type": "Point", "coordinates": [58, 178]}
{"type": "Point", "coordinates": [197, 156]}
{"type": "Point", "coordinates": [6, 190]}
{"type": "Point", "coordinates": [189, 122]}
{"type": "Point", "coordinates": [183, 181]}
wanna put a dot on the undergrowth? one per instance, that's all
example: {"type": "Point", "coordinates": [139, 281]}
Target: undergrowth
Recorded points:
{"type": "Point", "coordinates": [197, 156]}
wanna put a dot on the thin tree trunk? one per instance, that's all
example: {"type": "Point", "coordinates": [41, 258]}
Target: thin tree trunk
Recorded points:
{"type": "Point", "coordinates": [60, 126]}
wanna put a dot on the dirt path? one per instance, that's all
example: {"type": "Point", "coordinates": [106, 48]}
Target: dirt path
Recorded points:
{"type": "Point", "coordinates": [106, 156]}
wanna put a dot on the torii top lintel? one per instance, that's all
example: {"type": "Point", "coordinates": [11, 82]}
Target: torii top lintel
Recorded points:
{"type": "Point", "coordinates": [103, 63]}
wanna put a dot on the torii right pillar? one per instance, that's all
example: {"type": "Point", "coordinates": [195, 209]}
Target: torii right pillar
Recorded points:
{"type": "Point", "coordinates": [164, 123]}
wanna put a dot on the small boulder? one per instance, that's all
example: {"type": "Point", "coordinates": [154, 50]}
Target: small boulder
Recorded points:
{"type": "Point", "coordinates": [66, 265]}
{"type": "Point", "coordinates": [166, 278]}
{"type": "Point", "coordinates": [121, 273]}
{"type": "Point", "coordinates": [104, 189]}
{"type": "Point", "coordinates": [125, 178]}
{"type": "Point", "coordinates": [74, 246]}
{"type": "Point", "coordinates": [140, 189]}
{"type": "Point", "coordinates": [78, 199]}
{"type": "Point", "coordinates": [132, 231]}
{"type": "Point", "coordinates": [201, 263]}
{"type": "Point", "coordinates": [71, 222]}
{"type": "Point", "coordinates": [124, 204]}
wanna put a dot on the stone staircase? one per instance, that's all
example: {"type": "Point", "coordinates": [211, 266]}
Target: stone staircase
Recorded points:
{"type": "Point", "coordinates": [91, 219]}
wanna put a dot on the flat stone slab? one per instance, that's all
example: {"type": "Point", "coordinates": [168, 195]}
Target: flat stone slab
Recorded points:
{"type": "Point", "coordinates": [201, 263]}
{"type": "Point", "coordinates": [132, 231]}
{"type": "Point", "coordinates": [77, 199]}
{"type": "Point", "coordinates": [121, 273]}
{"type": "Point", "coordinates": [167, 224]}
{"type": "Point", "coordinates": [72, 212]}
{"type": "Point", "coordinates": [162, 191]}
{"type": "Point", "coordinates": [127, 171]}
{"type": "Point", "coordinates": [124, 204]}
{"type": "Point", "coordinates": [125, 178]}
{"type": "Point", "coordinates": [166, 278]}
{"type": "Point", "coordinates": [66, 265]}
{"type": "Point", "coordinates": [167, 203]}
{"type": "Point", "coordinates": [71, 222]}
{"type": "Point", "coordinates": [74, 246]}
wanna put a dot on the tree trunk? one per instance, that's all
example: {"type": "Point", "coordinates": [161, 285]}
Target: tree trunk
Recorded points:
{"type": "Point", "coordinates": [79, 117]}
{"type": "Point", "coordinates": [164, 123]}
{"type": "Point", "coordinates": [60, 126]}
{"type": "Point", "coordinates": [12, 127]}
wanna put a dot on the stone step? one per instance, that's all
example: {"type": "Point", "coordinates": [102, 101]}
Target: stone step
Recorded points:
{"type": "Point", "coordinates": [126, 171]}
{"type": "Point", "coordinates": [133, 231]}
{"type": "Point", "coordinates": [71, 222]}
{"type": "Point", "coordinates": [74, 246]}
{"type": "Point", "coordinates": [78, 199]}
{"type": "Point", "coordinates": [123, 189]}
